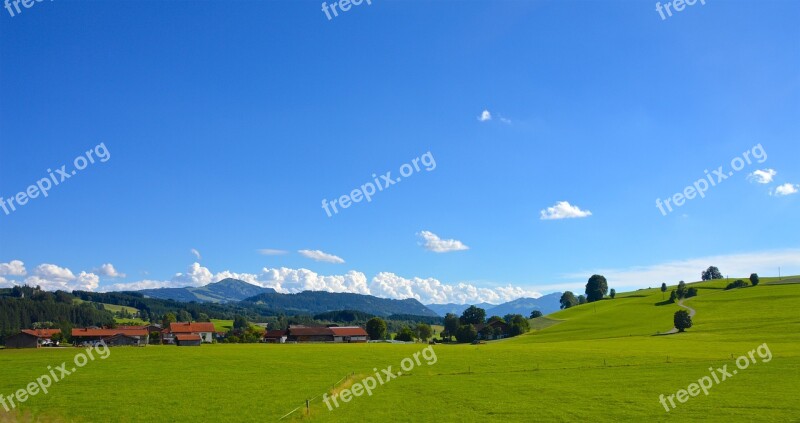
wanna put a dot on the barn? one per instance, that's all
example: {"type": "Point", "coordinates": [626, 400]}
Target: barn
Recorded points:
{"type": "Point", "coordinates": [188, 340]}
{"type": "Point", "coordinates": [349, 334]}
{"type": "Point", "coordinates": [309, 334]}
{"type": "Point", "coordinates": [30, 338]}
{"type": "Point", "coordinates": [123, 340]}
{"type": "Point", "coordinates": [275, 336]}
{"type": "Point", "coordinates": [86, 335]}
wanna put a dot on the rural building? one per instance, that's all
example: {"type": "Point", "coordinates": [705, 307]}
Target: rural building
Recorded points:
{"type": "Point", "coordinates": [349, 334]}
{"type": "Point", "coordinates": [123, 340]}
{"type": "Point", "coordinates": [500, 330]}
{"type": "Point", "coordinates": [301, 333]}
{"type": "Point", "coordinates": [30, 338]}
{"type": "Point", "coordinates": [188, 340]}
{"type": "Point", "coordinates": [81, 335]}
{"type": "Point", "coordinates": [275, 336]}
{"type": "Point", "coordinates": [204, 329]}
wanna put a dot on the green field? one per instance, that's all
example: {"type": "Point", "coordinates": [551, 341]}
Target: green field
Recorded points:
{"type": "Point", "coordinates": [595, 362]}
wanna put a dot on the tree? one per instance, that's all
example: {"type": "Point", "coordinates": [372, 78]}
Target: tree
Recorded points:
{"type": "Point", "coordinates": [613, 293]}
{"type": "Point", "coordinates": [451, 324]}
{"type": "Point", "coordinates": [581, 299]}
{"type": "Point", "coordinates": [519, 325]}
{"type": "Point", "coordinates": [681, 290]}
{"type": "Point", "coordinates": [673, 296]}
{"type": "Point", "coordinates": [184, 316]}
{"type": "Point", "coordinates": [466, 333]}
{"type": "Point", "coordinates": [376, 328]}
{"type": "Point", "coordinates": [738, 283]}
{"type": "Point", "coordinates": [405, 334]}
{"type": "Point", "coordinates": [495, 319]}
{"type": "Point", "coordinates": [424, 331]}
{"type": "Point", "coordinates": [691, 292]}
{"type": "Point", "coordinates": [487, 332]}
{"type": "Point", "coordinates": [202, 317]}
{"type": "Point", "coordinates": [536, 313]}
{"type": "Point", "coordinates": [473, 316]}
{"type": "Point", "coordinates": [239, 322]}
{"type": "Point", "coordinates": [568, 300]}
{"type": "Point", "coordinates": [754, 279]}
{"type": "Point", "coordinates": [663, 289]}
{"type": "Point", "coordinates": [596, 288]}
{"type": "Point", "coordinates": [682, 320]}
{"type": "Point", "coordinates": [711, 273]}
{"type": "Point", "coordinates": [168, 318]}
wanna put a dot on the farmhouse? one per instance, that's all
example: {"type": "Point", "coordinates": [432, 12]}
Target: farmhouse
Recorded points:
{"type": "Point", "coordinates": [31, 338]}
{"type": "Point", "coordinates": [301, 333]}
{"type": "Point", "coordinates": [275, 336]}
{"type": "Point", "coordinates": [86, 335]}
{"type": "Point", "coordinates": [349, 334]}
{"type": "Point", "coordinates": [188, 340]}
{"type": "Point", "coordinates": [499, 330]}
{"type": "Point", "coordinates": [204, 329]}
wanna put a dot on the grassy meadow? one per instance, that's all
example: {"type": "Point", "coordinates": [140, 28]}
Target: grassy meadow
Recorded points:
{"type": "Point", "coordinates": [594, 362]}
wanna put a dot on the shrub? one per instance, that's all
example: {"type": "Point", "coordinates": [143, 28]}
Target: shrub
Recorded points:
{"type": "Point", "coordinates": [466, 333]}
{"type": "Point", "coordinates": [737, 284]}
{"type": "Point", "coordinates": [682, 320]}
{"type": "Point", "coordinates": [754, 279]}
{"type": "Point", "coordinates": [691, 292]}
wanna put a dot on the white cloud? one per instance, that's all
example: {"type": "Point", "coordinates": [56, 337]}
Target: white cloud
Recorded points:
{"type": "Point", "coordinates": [438, 245]}
{"type": "Point", "coordinates": [485, 116]}
{"type": "Point", "coordinates": [196, 275]}
{"type": "Point", "coordinates": [13, 268]}
{"type": "Point", "coordinates": [786, 189]}
{"type": "Point", "coordinates": [505, 120]}
{"type": "Point", "coordinates": [51, 277]}
{"type": "Point", "coordinates": [432, 291]}
{"type": "Point", "coordinates": [318, 255]}
{"type": "Point", "coordinates": [765, 263]}
{"type": "Point", "coordinates": [196, 254]}
{"type": "Point", "coordinates": [563, 210]}
{"type": "Point", "coordinates": [108, 270]}
{"type": "Point", "coordinates": [139, 285]}
{"type": "Point", "coordinates": [87, 281]}
{"type": "Point", "coordinates": [5, 283]}
{"type": "Point", "coordinates": [762, 176]}
{"type": "Point", "coordinates": [287, 280]}
{"type": "Point", "coordinates": [272, 252]}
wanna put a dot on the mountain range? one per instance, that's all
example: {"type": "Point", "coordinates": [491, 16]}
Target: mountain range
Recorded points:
{"type": "Point", "coordinates": [224, 291]}
{"type": "Point", "coordinates": [546, 304]}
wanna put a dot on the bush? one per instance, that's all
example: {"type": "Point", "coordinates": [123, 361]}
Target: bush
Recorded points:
{"type": "Point", "coordinates": [691, 292]}
{"type": "Point", "coordinates": [754, 279]}
{"type": "Point", "coordinates": [466, 334]}
{"type": "Point", "coordinates": [682, 320]}
{"type": "Point", "coordinates": [737, 284]}
{"type": "Point", "coordinates": [535, 314]}
{"type": "Point", "coordinates": [673, 296]}
{"type": "Point", "coordinates": [405, 334]}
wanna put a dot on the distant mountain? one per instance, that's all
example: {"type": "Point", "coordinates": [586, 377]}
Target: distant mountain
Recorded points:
{"type": "Point", "coordinates": [224, 291]}
{"type": "Point", "coordinates": [524, 306]}
{"type": "Point", "coordinates": [314, 302]}
{"type": "Point", "coordinates": [457, 309]}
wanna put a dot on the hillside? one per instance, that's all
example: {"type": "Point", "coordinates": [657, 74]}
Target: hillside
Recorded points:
{"type": "Point", "coordinates": [313, 302]}
{"type": "Point", "coordinates": [224, 291]}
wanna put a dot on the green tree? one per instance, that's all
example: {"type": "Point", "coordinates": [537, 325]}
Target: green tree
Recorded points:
{"type": "Point", "coordinates": [451, 325]}
{"type": "Point", "coordinates": [487, 332]}
{"type": "Point", "coordinates": [682, 320]}
{"type": "Point", "coordinates": [596, 288]}
{"type": "Point", "coordinates": [184, 316]}
{"type": "Point", "coordinates": [376, 328]}
{"type": "Point", "coordinates": [663, 289]}
{"type": "Point", "coordinates": [495, 319]}
{"type": "Point", "coordinates": [581, 299]}
{"type": "Point", "coordinates": [405, 334]}
{"type": "Point", "coordinates": [711, 273]}
{"type": "Point", "coordinates": [202, 317]}
{"type": "Point", "coordinates": [168, 318]}
{"type": "Point", "coordinates": [691, 292]}
{"type": "Point", "coordinates": [535, 314]}
{"type": "Point", "coordinates": [424, 332]}
{"type": "Point", "coordinates": [612, 293]}
{"type": "Point", "coordinates": [568, 300]}
{"type": "Point", "coordinates": [473, 316]}
{"type": "Point", "coordinates": [239, 322]}
{"type": "Point", "coordinates": [673, 296]}
{"type": "Point", "coordinates": [466, 333]}
{"type": "Point", "coordinates": [754, 279]}
{"type": "Point", "coordinates": [519, 325]}
{"type": "Point", "coordinates": [681, 290]}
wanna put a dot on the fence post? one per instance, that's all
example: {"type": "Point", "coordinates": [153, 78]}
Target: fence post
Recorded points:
{"type": "Point", "coordinates": [308, 408]}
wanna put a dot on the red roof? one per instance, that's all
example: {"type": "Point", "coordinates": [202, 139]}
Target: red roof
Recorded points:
{"type": "Point", "coordinates": [274, 333]}
{"type": "Point", "coordinates": [42, 333]}
{"type": "Point", "coordinates": [108, 332]}
{"type": "Point", "coordinates": [188, 337]}
{"type": "Point", "coordinates": [304, 331]}
{"type": "Point", "coordinates": [194, 327]}
{"type": "Point", "coordinates": [348, 331]}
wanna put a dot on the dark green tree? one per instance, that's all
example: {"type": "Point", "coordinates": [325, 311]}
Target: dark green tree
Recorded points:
{"type": "Point", "coordinates": [681, 292]}
{"type": "Point", "coordinates": [424, 332]}
{"type": "Point", "coordinates": [376, 328]}
{"type": "Point", "coordinates": [473, 316]}
{"type": "Point", "coordinates": [568, 300]}
{"type": "Point", "coordinates": [466, 333]}
{"type": "Point", "coordinates": [711, 273]}
{"type": "Point", "coordinates": [581, 299]}
{"type": "Point", "coordinates": [663, 289]}
{"type": "Point", "coordinates": [239, 322]}
{"type": "Point", "coordinates": [451, 325]}
{"type": "Point", "coordinates": [682, 320]}
{"type": "Point", "coordinates": [612, 293]}
{"type": "Point", "coordinates": [405, 334]}
{"type": "Point", "coordinates": [596, 288]}
{"type": "Point", "coordinates": [754, 279]}
{"type": "Point", "coordinates": [535, 314]}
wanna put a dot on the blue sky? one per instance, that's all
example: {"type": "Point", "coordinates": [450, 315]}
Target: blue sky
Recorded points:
{"type": "Point", "coordinates": [227, 123]}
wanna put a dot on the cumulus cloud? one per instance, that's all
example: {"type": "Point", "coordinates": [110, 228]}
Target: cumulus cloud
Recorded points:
{"type": "Point", "coordinates": [318, 255]}
{"type": "Point", "coordinates": [438, 245]}
{"type": "Point", "coordinates": [786, 189]}
{"type": "Point", "coordinates": [485, 116]}
{"type": "Point", "coordinates": [563, 210]}
{"type": "Point", "coordinates": [762, 176]}
{"type": "Point", "coordinates": [196, 275]}
{"type": "Point", "coordinates": [5, 283]}
{"type": "Point", "coordinates": [271, 252]}
{"type": "Point", "coordinates": [196, 254]}
{"type": "Point", "coordinates": [13, 268]}
{"type": "Point", "coordinates": [108, 270]}
{"type": "Point", "coordinates": [432, 291]}
{"type": "Point", "coordinates": [51, 277]}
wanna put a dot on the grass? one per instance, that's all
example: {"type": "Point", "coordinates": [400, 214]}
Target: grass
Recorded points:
{"type": "Point", "coordinates": [596, 362]}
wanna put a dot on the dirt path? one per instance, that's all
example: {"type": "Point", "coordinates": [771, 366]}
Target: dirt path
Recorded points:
{"type": "Point", "coordinates": [691, 314]}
